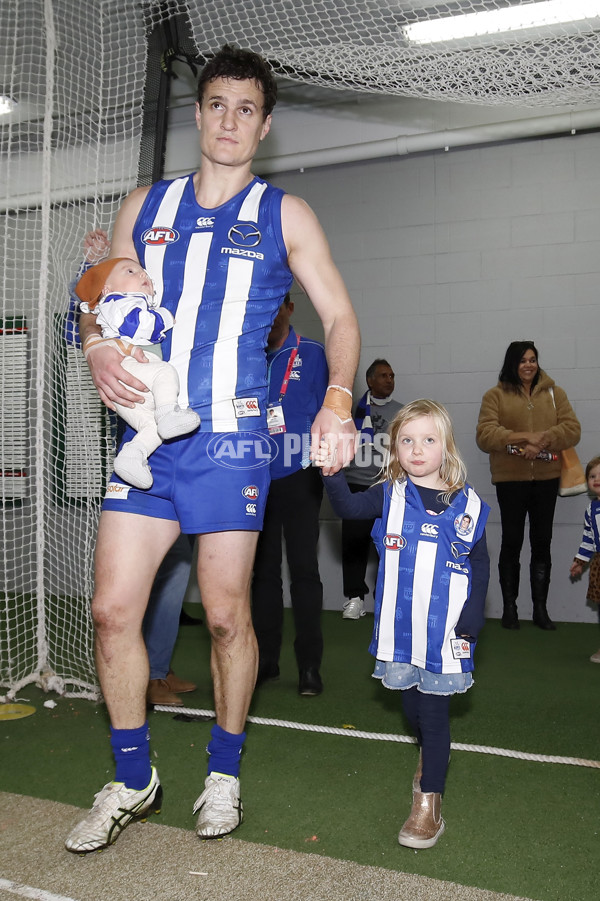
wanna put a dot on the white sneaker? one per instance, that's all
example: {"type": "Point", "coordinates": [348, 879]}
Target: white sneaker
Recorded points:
{"type": "Point", "coordinates": [354, 609]}
{"type": "Point", "coordinates": [595, 658]}
{"type": "Point", "coordinates": [220, 806]}
{"type": "Point", "coordinates": [114, 808]}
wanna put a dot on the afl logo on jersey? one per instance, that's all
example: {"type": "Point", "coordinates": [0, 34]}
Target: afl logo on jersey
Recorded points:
{"type": "Point", "coordinates": [394, 542]}
{"type": "Point", "coordinates": [244, 234]}
{"type": "Point", "coordinates": [251, 492]}
{"type": "Point", "coordinates": [160, 236]}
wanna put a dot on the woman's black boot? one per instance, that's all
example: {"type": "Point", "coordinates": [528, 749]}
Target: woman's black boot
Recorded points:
{"type": "Point", "coordinates": [509, 585]}
{"type": "Point", "coordinates": [540, 582]}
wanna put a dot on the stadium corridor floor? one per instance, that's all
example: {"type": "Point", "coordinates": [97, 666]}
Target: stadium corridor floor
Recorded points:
{"type": "Point", "coordinates": [161, 863]}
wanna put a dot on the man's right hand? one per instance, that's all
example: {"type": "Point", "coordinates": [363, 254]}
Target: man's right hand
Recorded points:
{"type": "Point", "coordinates": [111, 380]}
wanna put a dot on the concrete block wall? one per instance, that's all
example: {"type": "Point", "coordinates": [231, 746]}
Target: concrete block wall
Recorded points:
{"type": "Point", "coordinates": [448, 257]}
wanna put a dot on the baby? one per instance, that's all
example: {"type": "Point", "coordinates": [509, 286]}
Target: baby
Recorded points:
{"type": "Point", "coordinates": [121, 296]}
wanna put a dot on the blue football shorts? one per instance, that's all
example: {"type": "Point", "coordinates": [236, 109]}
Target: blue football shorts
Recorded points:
{"type": "Point", "coordinates": [207, 481]}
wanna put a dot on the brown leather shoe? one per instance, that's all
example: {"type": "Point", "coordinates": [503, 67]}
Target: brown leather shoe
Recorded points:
{"type": "Point", "coordinates": [159, 693]}
{"type": "Point", "coordinates": [177, 684]}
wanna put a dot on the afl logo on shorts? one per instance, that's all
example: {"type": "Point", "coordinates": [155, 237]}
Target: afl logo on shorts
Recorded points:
{"type": "Point", "coordinates": [394, 542]}
{"type": "Point", "coordinates": [244, 234]}
{"type": "Point", "coordinates": [157, 237]}
{"type": "Point", "coordinates": [242, 450]}
{"type": "Point", "coordinates": [251, 492]}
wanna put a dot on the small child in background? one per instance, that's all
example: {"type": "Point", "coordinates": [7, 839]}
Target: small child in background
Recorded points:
{"type": "Point", "coordinates": [431, 586]}
{"type": "Point", "coordinates": [589, 552]}
{"type": "Point", "coordinates": [121, 296]}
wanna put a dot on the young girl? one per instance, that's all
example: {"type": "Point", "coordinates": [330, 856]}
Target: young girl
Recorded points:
{"type": "Point", "coordinates": [589, 552]}
{"type": "Point", "coordinates": [431, 587]}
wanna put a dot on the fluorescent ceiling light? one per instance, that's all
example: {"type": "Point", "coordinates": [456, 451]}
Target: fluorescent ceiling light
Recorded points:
{"type": "Point", "coordinates": [7, 104]}
{"type": "Point", "coordinates": [497, 21]}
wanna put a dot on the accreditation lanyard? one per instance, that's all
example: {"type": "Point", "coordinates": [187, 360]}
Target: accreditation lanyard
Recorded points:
{"type": "Point", "coordinates": [275, 417]}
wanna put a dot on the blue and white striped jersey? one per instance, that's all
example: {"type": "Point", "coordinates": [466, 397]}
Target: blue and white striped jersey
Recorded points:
{"type": "Point", "coordinates": [133, 316]}
{"type": "Point", "coordinates": [223, 273]}
{"type": "Point", "coordinates": [424, 578]}
{"type": "Point", "coordinates": [590, 542]}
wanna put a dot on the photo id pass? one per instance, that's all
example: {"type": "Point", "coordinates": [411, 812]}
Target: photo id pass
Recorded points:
{"type": "Point", "coordinates": [275, 419]}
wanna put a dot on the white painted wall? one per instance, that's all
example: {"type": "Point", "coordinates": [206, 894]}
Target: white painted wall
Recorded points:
{"type": "Point", "coordinates": [450, 256]}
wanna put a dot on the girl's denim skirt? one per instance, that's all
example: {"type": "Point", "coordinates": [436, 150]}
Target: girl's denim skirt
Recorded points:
{"type": "Point", "coordinates": [400, 676]}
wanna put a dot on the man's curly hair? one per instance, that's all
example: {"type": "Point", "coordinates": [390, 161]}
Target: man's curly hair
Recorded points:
{"type": "Point", "coordinates": [240, 65]}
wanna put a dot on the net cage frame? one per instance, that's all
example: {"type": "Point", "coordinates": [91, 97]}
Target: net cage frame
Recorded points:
{"type": "Point", "coordinates": [91, 84]}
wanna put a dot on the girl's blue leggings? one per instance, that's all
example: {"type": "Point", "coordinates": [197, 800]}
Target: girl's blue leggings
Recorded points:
{"type": "Point", "coordinates": [429, 716]}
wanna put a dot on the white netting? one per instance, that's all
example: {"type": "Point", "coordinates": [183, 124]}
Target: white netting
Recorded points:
{"type": "Point", "coordinates": [363, 45]}
{"type": "Point", "coordinates": [69, 152]}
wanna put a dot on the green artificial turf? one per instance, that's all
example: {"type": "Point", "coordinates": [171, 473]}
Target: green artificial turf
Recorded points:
{"type": "Point", "coordinates": [517, 826]}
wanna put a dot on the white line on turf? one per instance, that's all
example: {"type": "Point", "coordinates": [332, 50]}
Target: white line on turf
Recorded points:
{"type": "Point", "coordinates": [27, 891]}
{"type": "Point", "coordinates": [383, 736]}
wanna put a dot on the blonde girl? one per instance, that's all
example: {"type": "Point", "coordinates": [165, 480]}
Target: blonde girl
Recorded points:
{"type": "Point", "coordinates": [431, 585]}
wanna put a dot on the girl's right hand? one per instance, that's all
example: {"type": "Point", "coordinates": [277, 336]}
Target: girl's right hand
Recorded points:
{"type": "Point", "coordinates": [323, 456]}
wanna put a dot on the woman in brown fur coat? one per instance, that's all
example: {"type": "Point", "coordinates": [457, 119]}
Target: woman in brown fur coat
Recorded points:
{"type": "Point", "coordinates": [527, 411]}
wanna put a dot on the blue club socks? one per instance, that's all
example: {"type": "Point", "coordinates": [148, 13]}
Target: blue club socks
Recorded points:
{"type": "Point", "coordinates": [225, 750]}
{"type": "Point", "coordinates": [131, 749]}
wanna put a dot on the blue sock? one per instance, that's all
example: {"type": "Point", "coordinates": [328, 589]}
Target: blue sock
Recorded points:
{"type": "Point", "coordinates": [131, 748]}
{"type": "Point", "coordinates": [225, 750]}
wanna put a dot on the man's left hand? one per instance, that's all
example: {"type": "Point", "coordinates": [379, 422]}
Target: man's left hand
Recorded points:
{"type": "Point", "coordinates": [333, 442]}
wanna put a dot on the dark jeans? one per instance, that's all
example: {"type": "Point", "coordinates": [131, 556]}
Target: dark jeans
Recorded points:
{"type": "Point", "coordinates": [161, 621]}
{"type": "Point", "coordinates": [293, 508]}
{"type": "Point", "coordinates": [517, 500]}
{"type": "Point", "coordinates": [429, 716]}
{"type": "Point", "coordinates": [356, 547]}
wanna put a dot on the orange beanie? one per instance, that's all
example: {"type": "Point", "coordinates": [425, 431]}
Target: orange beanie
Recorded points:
{"type": "Point", "coordinates": [90, 285]}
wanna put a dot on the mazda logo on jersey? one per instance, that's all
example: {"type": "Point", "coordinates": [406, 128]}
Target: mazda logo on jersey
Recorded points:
{"type": "Point", "coordinates": [244, 235]}
{"type": "Point", "coordinates": [394, 542]}
{"type": "Point", "coordinates": [157, 236]}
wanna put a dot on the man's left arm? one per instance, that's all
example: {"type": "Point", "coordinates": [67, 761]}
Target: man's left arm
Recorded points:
{"type": "Point", "coordinates": [310, 261]}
